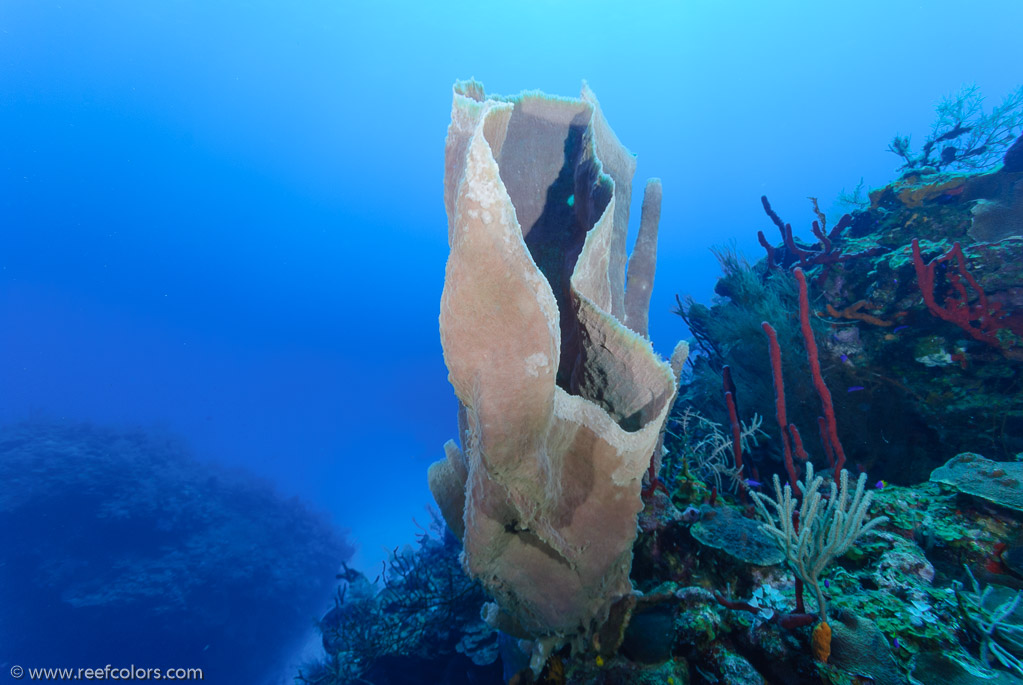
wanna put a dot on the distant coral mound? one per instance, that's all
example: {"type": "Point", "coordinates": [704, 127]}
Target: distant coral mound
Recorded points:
{"type": "Point", "coordinates": [118, 547]}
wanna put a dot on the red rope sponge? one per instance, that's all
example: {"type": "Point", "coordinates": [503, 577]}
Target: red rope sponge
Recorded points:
{"type": "Point", "coordinates": [830, 425]}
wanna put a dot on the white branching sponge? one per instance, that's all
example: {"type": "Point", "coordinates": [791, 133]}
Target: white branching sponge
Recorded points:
{"type": "Point", "coordinates": [824, 529]}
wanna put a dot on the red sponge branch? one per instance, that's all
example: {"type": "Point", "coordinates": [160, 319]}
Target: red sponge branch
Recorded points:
{"type": "Point", "coordinates": [830, 424]}
{"type": "Point", "coordinates": [779, 400]}
{"type": "Point", "coordinates": [826, 252]}
{"type": "Point", "coordinates": [733, 418]}
{"type": "Point", "coordinates": [981, 320]}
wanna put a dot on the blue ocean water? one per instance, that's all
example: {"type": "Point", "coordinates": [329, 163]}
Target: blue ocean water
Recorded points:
{"type": "Point", "coordinates": [223, 222]}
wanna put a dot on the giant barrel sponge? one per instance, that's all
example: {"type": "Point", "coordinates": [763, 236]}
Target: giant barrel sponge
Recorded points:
{"type": "Point", "coordinates": [562, 403]}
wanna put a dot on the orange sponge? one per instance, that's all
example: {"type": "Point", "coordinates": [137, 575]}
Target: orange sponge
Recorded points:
{"type": "Point", "coordinates": [820, 642]}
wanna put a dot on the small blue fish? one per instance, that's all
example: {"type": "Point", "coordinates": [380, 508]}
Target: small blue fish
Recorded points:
{"type": "Point", "coordinates": [895, 643]}
{"type": "Point", "coordinates": [750, 483]}
{"type": "Point", "coordinates": [880, 485]}
{"type": "Point", "coordinates": [845, 358]}
{"type": "Point", "coordinates": [855, 388]}
{"type": "Point", "coordinates": [898, 328]}
{"type": "Point", "coordinates": [827, 583]}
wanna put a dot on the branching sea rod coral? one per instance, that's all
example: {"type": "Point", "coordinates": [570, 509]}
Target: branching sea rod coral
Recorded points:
{"type": "Point", "coordinates": [964, 136]}
{"type": "Point", "coordinates": [822, 530]}
{"type": "Point", "coordinates": [562, 403]}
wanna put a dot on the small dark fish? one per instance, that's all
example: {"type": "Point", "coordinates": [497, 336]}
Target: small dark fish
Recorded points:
{"type": "Point", "coordinates": [855, 388]}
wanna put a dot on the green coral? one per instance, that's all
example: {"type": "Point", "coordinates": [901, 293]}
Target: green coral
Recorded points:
{"type": "Point", "coordinates": [1000, 483]}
